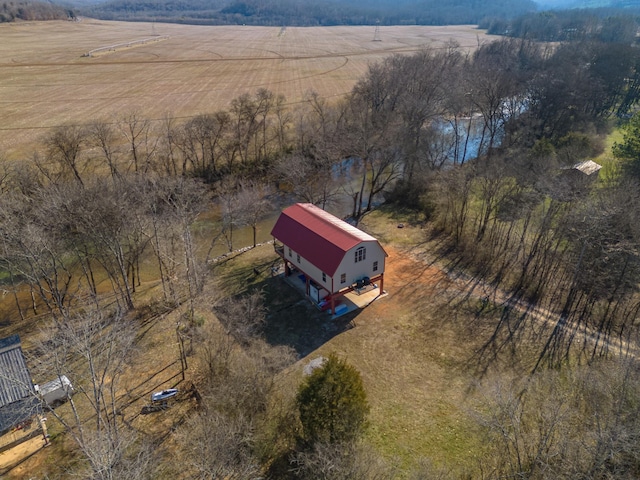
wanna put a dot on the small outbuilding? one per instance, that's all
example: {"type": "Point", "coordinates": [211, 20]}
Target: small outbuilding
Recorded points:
{"type": "Point", "coordinates": [580, 176]}
{"type": "Point", "coordinates": [18, 400]}
{"type": "Point", "coordinates": [588, 167]}
{"type": "Point", "coordinates": [55, 391]}
{"type": "Point", "coordinates": [330, 255]}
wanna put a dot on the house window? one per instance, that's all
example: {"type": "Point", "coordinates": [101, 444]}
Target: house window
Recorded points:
{"type": "Point", "coordinates": [361, 254]}
{"type": "Point", "coordinates": [324, 277]}
{"type": "Point", "coordinates": [298, 257]}
{"type": "Point", "coordinates": [343, 278]}
{"type": "Point", "coordinates": [375, 266]}
{"type": "Point", "coordinates": [289, 252]}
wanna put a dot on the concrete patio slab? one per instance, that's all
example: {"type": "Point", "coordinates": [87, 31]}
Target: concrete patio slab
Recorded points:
{"type": "Point", "coordinates": [353, 300]}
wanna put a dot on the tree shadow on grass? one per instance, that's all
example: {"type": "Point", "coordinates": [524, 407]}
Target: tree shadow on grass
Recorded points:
{"type": "Point", "coordinates": [303, 328]}
{"type": "Point", "coordinates": [506, 332]}
{"type": "Point", "coordinates": [294, 321]}
{"type": "Point", "coordinates": [500, 323]}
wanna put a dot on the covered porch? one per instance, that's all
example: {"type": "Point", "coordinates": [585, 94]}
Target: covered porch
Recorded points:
{"type": "Point", "coordinates": [339, 303]}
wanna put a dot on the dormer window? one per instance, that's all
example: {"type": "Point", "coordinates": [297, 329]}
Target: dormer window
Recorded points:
{"type": "Point", "coordinates": [361, 254]}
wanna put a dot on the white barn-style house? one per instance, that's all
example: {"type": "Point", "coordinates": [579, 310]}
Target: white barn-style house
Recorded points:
{"type": "Point", "coordinates": [333, 256]}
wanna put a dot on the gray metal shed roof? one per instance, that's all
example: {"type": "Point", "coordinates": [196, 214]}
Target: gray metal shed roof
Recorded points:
{"type": "Point", "coordinates": [588, 167]}
{"type": "Point", "coordinates": [17, 395]}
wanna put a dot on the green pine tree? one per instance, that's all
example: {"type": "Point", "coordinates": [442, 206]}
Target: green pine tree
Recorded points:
{"type": "Point", "coordinates": [332, 403]}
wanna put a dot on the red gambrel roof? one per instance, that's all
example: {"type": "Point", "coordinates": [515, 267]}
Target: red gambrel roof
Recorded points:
{"type": "Point", "coordinates": [318, 236]}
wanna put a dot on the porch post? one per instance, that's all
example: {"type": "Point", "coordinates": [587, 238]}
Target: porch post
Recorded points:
{"type": "Point", "coordinates": [333, 302]}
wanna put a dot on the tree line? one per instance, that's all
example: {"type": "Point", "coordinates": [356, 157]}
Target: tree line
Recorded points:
{"type": "Point", "coordinates": [613, 25]}
{"type": "Point", "coordinates": [11, 11]}
{"type": "Point", "coordinates": [297, 13]}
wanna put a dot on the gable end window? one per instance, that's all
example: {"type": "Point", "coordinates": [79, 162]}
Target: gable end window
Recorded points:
{"type": "Point", "coordinates": [375, 266]}
{"type": "Point", "coordinates": [343, 278]}
{"type": "Point", "coordinates": [361, 254]}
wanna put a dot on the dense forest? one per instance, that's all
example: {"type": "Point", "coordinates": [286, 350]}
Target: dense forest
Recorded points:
{"type": "Point", "coordinates": [303, 13]}
{"type": "Point", "coordinates": [484, 146]}
{"type": "Point", "coordinates": [33, 10]}
{"type": "Point", "coordinates": [603, 24]}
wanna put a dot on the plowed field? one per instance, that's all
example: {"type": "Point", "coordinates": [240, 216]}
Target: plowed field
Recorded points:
{"type": "Point", "coordinates": [47, 77]}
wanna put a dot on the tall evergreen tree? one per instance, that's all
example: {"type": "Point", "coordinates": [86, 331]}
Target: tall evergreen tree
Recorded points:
{"type": "Point", "coordinates": [332, 403]}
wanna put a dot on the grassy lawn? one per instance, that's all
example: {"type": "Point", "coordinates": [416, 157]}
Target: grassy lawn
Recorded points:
{"type": "Point", "coordinates": [609, 164]}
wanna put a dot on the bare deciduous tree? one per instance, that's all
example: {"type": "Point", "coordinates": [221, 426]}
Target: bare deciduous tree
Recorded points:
{"type": "Point", "coordinates": [64, 147]}
{"type": "Point", "coordinates": [230, 211]}
{"type": "Point", "coordinates": [218, 446]}
{"type": "Point", "coordinates": [141, 140]}
{"type": "Point", "coordinates": [244, 317]}
{"type": "Point", "coordinates": [92, 348]}
{"type": "Point", "coordinates": [564, 425]}
{"type": "Point", "coordinates": [185, 199]}
{"type": "Point", "coordinates": [252, 202]}
{"type": "Point", "coordinates": [103, 136]}
{"type": "Point", "coordinates": [203, 142]}
{"type": "Point", "coordinates": [310, 180]}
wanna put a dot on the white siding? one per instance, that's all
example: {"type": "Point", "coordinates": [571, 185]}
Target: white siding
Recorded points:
{"type": "Point", "coordinates": [353, 270]}
{"type": "Point", "coordinates": [357, 270]}
{"type": "Point", "coordinates": [308, 268]}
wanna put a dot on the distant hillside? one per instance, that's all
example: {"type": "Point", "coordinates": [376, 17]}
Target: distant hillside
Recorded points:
{"type": "Point", "coordinates": [310, 12]}
{"type": "Point", "coordinates": [578, 4]}
{"type": "Point", "coordinates": [32, 10]}
{"type": "Point", "coordinates": [609, 25]}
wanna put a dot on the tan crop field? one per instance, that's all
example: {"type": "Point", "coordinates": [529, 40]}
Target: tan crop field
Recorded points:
{"type": "Point", "coordinates": [47, 79]}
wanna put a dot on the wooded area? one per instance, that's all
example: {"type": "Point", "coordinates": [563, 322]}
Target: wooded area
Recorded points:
{"type": "Point", "coordinates": [482, 145]}
{"type": "Point", "coordinates": [33, 10]}
{"type": "Point", "coordinates": [614, 25]}
{"type": "Point", "coordinates": [303, 13]}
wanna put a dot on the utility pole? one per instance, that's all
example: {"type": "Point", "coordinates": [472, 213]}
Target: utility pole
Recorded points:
{"type": "Point", "coordinates": [376, 33]}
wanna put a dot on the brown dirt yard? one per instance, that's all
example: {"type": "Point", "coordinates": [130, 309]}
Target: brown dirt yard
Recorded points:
{"type": "Point", "coordinates": [46, 80]}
